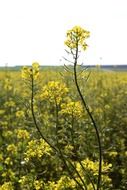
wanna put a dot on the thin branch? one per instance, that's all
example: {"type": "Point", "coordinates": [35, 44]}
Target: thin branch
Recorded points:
{"type": "Point", "coordinates": [68, 52]}
{"type": "Point", "coordinates": [38, 129]}
{"type": "Point", "coordinates": [34, 118]}
{"type": "Point", "coordinates": [92, 119]}
{"type": "Point", "coordinates": [67, 60]}
{"type": "Point", "coordinates": [67, 68]}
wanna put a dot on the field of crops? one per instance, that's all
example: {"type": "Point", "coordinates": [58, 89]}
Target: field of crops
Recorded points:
{"type": "Point", "coordinates": [47, 139]}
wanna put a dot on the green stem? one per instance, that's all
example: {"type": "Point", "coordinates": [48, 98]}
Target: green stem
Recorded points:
{"type": "Point", "coordinates": [91, 117]}
{"type": "Point", "coordinates": [38, 129]}
{"type": "Point", "coordinates": [33, 115]}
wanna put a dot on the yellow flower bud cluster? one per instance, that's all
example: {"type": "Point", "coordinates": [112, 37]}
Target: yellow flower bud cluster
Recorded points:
{"type": "Point", "coordinates": [31, 72]}
{"type": "Point", "coordinates": [26, 181]}
{"type": "Point", "coordinates": [76, 37]}
{"type": "Point", "coordinates": [7, 186]}
{"type": "Point", "coordinates": [68, 148]}
{"type": "Point", "coordinates": [8, 161]}
{"type": "Point", "coordinates": [7, 84]}
{"type": "Point", "coordinates": [113, 154]}
{"type": "Point", "coordinates": [22, 134]}
{"type": "Point", "coordinates": [11, 148]}
{"type": "Point", "coordinates": [38, 184]}
{"type": "Point", "coordinates": [54, 91]}
{"type": "Point", "coordinates": [36, 149]}
{"type": "Point", "coordinates": [93, 166]}
{"type": "Point", "coordinates": [73, 109]}
{"type": "Point", "coordinates": [65, 183]}
{"type": "Point", "coordinates": [20, 114]}
{"type": "Point", "coordinates": [10, 103]}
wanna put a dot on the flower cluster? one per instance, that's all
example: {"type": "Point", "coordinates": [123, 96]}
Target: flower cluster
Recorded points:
{"type": "Point", "coordinates": [54, 91]}
{"type": "Point", "coordinates": [29, 73]}
{"type": "Point", "coordinates": [73, 109]}
{"type": "Point", "coordinates": [12, 148]}
{"type": "Point", "coordinates": [22, 134]}
{"type": "Point", "coordinates": [76, 37]}
{"type": "Point", "coordinates": [93, 166]}
{"type": "Point", "coordinates": [36, 149]}
{"type": "Point", "coordinates": [7, 186]}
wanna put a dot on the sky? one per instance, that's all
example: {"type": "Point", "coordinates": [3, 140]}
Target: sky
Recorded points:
{"type": "Point", "coordinates": [35, 30]}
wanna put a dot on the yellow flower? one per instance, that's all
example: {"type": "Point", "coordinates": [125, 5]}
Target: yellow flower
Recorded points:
{"type": "Point", "coordinates": [10, 103]}
{"type": "Point", "coordinates": [23, 134]}
{"type": "Point", "coordinates": [113, 154]}
{"type": "Point", "coordinates": [37, 148]}
{"type": "Point", "coordinates": [93, 166]}
{"type": "Point", "coordinates": [11, 148]}
{"type": "Point", "coordinates": [54, 91]}
{"type": "Point", "coordinates": [7, 186]}
{"type": "Point", "coordinates": [8, 161]}
{"type": "Point", "coordinates": [20, 114]}
{"type": "Point", "coordinates": [76, 37]}
{"type": "Point", "coordinates": [31, 72]}
{"type": "Point", "coordinates": [38, 184]}
{"type": "Point", "coordinates": [7, 84]}
{"type": "Point", "coordinates": [65, 183]}
{"type": "Point", "coordinates": [72, 108]}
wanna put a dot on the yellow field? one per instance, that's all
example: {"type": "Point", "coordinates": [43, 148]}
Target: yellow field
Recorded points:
{"type": "Point", "coordinates": [50, 108]}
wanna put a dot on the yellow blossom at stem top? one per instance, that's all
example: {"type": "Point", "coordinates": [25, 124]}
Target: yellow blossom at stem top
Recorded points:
{"type": "Point", "coordinates": [31, 72]}
{"type": "Point", "coordinates": [76, 37]}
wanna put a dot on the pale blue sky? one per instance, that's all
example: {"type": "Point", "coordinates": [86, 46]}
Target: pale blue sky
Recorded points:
{"type": "Point", "coordinates": [34, 30]}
